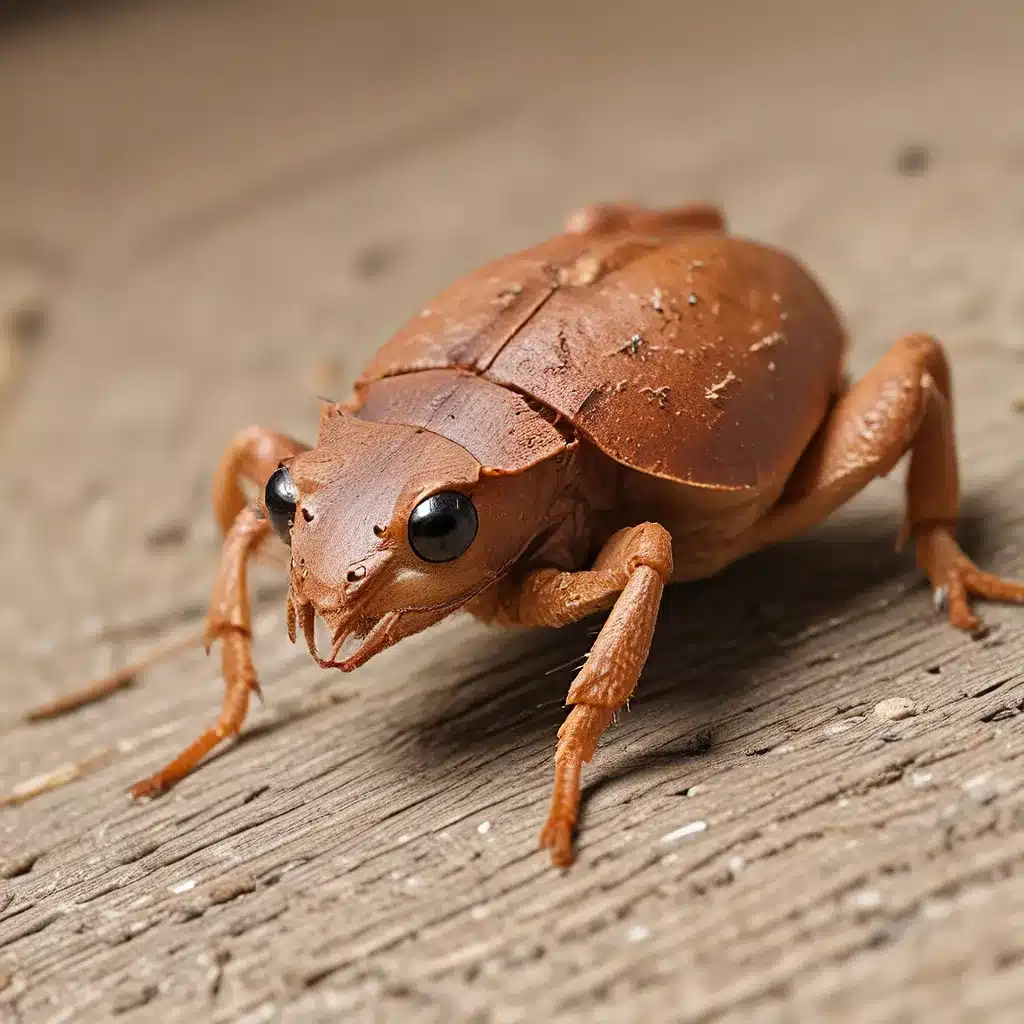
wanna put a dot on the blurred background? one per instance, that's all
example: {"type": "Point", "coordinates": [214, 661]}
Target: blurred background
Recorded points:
{"type": "Point", "coordinates": [211, 211]}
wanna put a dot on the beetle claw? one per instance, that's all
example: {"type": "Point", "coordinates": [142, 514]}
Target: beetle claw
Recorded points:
{"type": "Point", "coordinates": [556, 836]}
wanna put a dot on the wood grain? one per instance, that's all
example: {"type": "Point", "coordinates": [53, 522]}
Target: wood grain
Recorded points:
{"type": "Point", "coordinates": [218, 203]}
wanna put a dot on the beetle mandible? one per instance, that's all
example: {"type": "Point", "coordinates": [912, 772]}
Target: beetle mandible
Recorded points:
{"type": "Point", "coordinates": [639, 400]}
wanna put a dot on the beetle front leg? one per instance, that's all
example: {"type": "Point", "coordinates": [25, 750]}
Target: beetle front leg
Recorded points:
{"type": "Point", "coordinates": [251, 456]}
{"type": "Point", "coordinates": [631, 571]}
{"type": "Point", "coordinates": [228, 621]}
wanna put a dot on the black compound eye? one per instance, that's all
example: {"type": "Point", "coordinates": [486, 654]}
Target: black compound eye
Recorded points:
{"type": "Point", "coordinates": [280, 498]}
{"type": "Point", "coordinates": [442, 526]}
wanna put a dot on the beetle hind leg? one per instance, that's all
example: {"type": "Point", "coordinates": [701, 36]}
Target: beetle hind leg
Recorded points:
{"type": "Point", "coordinates": [600, 218]}
{"type": "Point", "coordinates": [904, 403]}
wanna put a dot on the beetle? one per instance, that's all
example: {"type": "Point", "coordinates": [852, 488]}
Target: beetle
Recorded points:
{"type": "Point", "coordinates": [642, 399]}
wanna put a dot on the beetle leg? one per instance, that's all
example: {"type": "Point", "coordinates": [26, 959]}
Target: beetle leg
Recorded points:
{"type": "Point", "coordinates": [604, 217]}
{"type": "Point", "coordinates": [903, 404]}
{"type": "Point", "coordinates": [252, 455]}
{"type": "Point", "coordinates": [229, 622]}
{"type": "Point", "coordinates": [629, 575]}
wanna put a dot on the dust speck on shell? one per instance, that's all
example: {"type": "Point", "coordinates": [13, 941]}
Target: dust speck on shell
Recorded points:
{"type": "Point", "coordinates": [717, 388]}
{"type": "Point", "coordinates": [767, 341]}
{"type": "Point", "coordinates": [660, 395]}
{"type": "Point", "coordinates": [586, 270]}
{"type": "Point", "coordinates": [508, 295]}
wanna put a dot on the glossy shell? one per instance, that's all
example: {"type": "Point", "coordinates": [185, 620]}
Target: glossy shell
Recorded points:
{"type": "Point", "coordinates": [702, 358]}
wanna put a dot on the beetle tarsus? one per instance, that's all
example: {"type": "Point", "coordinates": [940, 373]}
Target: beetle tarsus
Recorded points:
{"type": "Point", "coordinates": [952, 573]}
{"type": "Point", "coordinates": [557, 834]}
{"type": "Point", "coordinates": [240, 681]}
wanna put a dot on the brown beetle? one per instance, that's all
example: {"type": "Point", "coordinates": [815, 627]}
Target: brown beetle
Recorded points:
{"type": "Point", "coordinates": [642, 399]}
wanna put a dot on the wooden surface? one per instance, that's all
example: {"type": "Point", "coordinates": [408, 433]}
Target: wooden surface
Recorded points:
{"type": "Point", "coordinates": [209, 201]}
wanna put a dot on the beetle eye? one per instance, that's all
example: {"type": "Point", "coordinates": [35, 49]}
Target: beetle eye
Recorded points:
{"type": "Point", "coordinates": [442, 526]}
{"type": "Point", "coordinates": [280, 498]}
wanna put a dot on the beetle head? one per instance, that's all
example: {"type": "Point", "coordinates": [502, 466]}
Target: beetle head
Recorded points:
{"type": "Point", "coordinates": [394, 527]}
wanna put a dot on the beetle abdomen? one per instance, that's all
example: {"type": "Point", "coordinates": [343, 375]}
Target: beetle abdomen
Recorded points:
{"type": "Point", "coordinates": [710, 362]}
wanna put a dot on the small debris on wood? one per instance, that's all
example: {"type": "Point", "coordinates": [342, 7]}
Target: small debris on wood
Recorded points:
{"type": "Point", "coordinates": [866, 899]}
{"type": "Point", "coordinates": [23, 309]}
{"type": "Point", "coordinates": [170, 534]}
{"type": "Point", "coordinates": [621, 386]}
{"type": "Point", "coordinates": [23, 319]}
{"type": "Point", "coordinates": [913, 160]}
{"type": "Point", "coordinates": [692, 300]}
{"type": "Point", "coordinates": [767, 341]}
{"type": "Point", "coordinates": [375, 259]}
{"type": "Point", "coordinates": [838, 728]}
{"type": "Point", "coordinates": [214, 965]}
{"type": "Point", "coordinates": [231, 888]}
{"type": "Point", "coordinates": [133, 850]}
{"type": "Point", "coordinates": [14, 865]}
{"type": "Point", "coordinates": [687, 830]}
{"type": "Point", "coordinates": [894, 709]}
{"type": "Point", "coordinates": [131, 997]}
{"type": "Point", "coordinates": [660, 394]}
{"type": "Point", "coordinates": [119, 933]}
{"type": "Point", "coordinates": [484, 827]}
{"type": "Point", "coordinates": [657, 301]}
{"type": "Point", "coordinates": [716, 389]}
